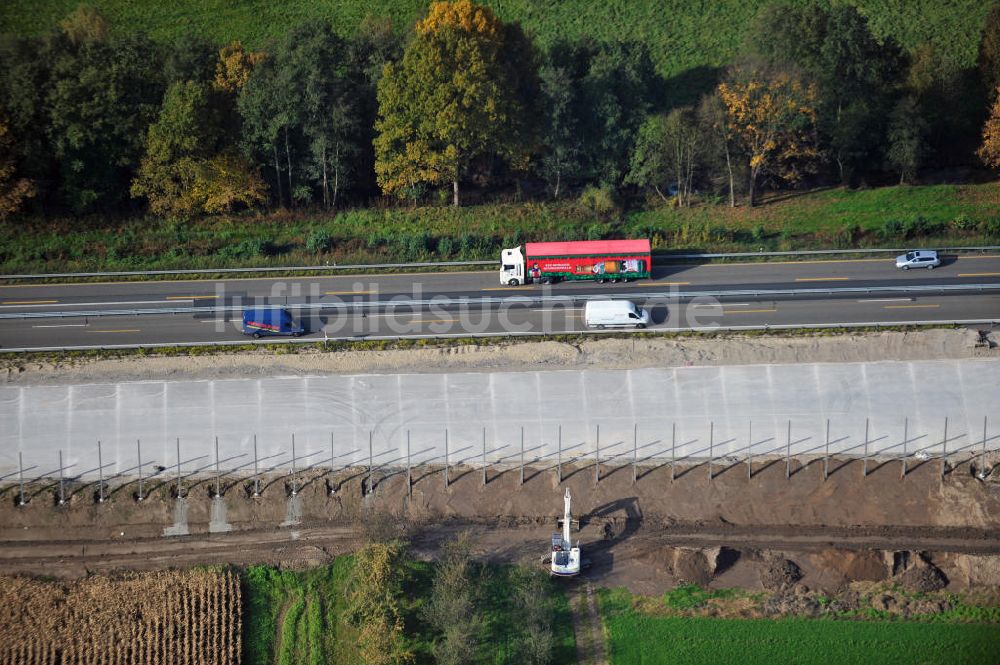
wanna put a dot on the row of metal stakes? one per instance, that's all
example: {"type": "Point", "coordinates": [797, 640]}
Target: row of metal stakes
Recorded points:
{"type": "Point", "coordinates": [369, 485]}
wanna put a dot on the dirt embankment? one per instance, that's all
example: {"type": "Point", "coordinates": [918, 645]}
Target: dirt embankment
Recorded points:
{"type": "Point", "coordinates": [647, 536]}
{"type": "Point", "coordinates": [606, 353]}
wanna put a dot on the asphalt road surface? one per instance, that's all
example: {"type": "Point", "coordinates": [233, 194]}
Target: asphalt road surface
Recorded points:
{"type": "Point", "coordinates": [207, 326]}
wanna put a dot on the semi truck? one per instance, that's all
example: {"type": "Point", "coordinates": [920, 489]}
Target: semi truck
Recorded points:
{"type": "Point", "coordinates": [590, 260]}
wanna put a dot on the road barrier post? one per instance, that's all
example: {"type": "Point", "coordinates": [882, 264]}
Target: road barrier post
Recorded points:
{"type": "Point", "coordinates": [100, 473]}
{"type": "Point", "coordinates": [138, 457]}
{"type": "Point", "coordinates": [864, 468]}
{"type": "Point", "coordinates": [750, 449]}
{"type": "Point", "coordinates": [944, 449]}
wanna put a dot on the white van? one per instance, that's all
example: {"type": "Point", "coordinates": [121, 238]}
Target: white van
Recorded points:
{"type": "Point", "coordinates": [614, 313]}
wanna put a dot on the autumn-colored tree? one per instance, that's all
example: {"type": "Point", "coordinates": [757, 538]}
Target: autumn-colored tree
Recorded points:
{"type": "Point", "coordinates": [234, 67]}
{"type": "Point", "coordinates": [226, 181]}
{"type": "Point", "coordinates": [373, 604]}
{"type": "Point", "coordinates": [187, 168]}
{"type": "Point", "coordinates": [457, 94]}
{"type": "Point", "coordinates": [13, 190]}
{"type": "Point", "coordinates": [85, 24]}
{"type": "Point", "coordinates": [774, 114]}
{"type": "Point", "coordinates": [989, 151]}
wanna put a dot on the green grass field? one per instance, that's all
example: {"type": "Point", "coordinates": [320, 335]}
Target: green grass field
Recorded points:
{"type": "Point", "coordinates": [636, 639]}
{"type": "Point", "coordinates": [682, 35]}
{"type": "Point", "coordinates": [675, 628]}
{"type": "Point", "coordinates": [936, 215]}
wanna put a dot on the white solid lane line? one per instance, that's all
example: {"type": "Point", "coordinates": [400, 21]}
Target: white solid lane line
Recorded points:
{"type": "Point", "coordinates": [70, 305]}
{"type": "Point", "coordinates": [64, 325]}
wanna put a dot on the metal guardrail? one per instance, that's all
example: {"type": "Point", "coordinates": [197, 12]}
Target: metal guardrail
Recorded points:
{"type": "Point", "coordinates": [446, 336]}
{"type": "Point", "coordinates": [657, 258]}
{"type": "Point", "coordinates": [444, 301]}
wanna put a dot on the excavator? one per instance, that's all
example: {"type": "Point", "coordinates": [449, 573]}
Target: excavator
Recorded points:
{"type": "Point", "coordinates": [565, 557]}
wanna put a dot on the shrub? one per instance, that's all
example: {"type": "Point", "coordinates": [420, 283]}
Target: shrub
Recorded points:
{"type": "Point", "coordinates": [445, 247]}
{"type": "Point", "coordinates": [319, 240]}
{"type": "Point", "coordinates": [891, 229]}
{"type": "Point", "coordinates": [248, 249]}
{"type": "Point", "coordinates": [990, 227]}
{"type": "Point", "coordinates": [597, 200]}
{"type": "Point", "coordinates": [963, 223]}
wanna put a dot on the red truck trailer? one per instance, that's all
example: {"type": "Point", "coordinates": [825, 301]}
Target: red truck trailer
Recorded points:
{"type": "Point", "coordinates": [594, 260]}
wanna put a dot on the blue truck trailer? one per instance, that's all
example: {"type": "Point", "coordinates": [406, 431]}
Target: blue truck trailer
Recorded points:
{"type": "Point", "coordinates": [270, 321]}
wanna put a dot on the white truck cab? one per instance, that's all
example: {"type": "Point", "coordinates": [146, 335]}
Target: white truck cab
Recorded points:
{"type": "Point", "coordinates": [512, 267]}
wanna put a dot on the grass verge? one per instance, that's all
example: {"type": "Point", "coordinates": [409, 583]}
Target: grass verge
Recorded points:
{"type": "Point", "coordinates": [933, 215]}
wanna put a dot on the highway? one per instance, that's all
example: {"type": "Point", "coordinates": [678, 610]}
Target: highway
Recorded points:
{"type": "Point", "coordinates": [962, 275]}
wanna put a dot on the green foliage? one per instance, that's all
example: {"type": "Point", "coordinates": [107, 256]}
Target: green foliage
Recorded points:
{"type": "Point", "coordinates": [638, 638]}
{"type": "Point", "coordinates": [319, 240]}
{"type": "Point", "coordinates": [691, 596]}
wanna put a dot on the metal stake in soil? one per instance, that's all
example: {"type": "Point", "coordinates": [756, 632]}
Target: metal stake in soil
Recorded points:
{"type": "Point", "coordinates": [982, 457]}
{"type": "Point", "coordinates": [138, 456]}
{"type": "Point", "coordinates": [635, 444]}
{"type": "Point", "coordinates": [218, 476]}
{"type": "Point", "coordinates": [826, 452]}
{"type": "Point", "coordinates": [62, 491]}
{"type": "Point", "coordinates": [484, 457]}
{"type": "Point", "coordinates": [673, 450]}
{"type": "Point", "coordinates": [788, 452]}
{"type": "Point", "coordinates": [20, 479]}
{"type": "Point", "coordinates": [711, 446]}
{"type": "Point", "coordinates": [522, 455]}
{"type": "Point", "coordinates": [446, 458]}
{"type": "Point", "coordinates": [294, 489]}
{"type": "Point", "coordinates": [371, 459]}
{"type": "Point", "coordinates": [559, 456]}
{"type": "Point", "coordinates": [906, 434]}
{"type": "Point", "coordinates": [256, 470]}
{"type": "Point", "coordinates": [178, 488]}
{"type": "Point", "coordinates": [100, 474]}
{"type": "Point", "coordinates": [864, 469]}
{"type": "Point", "coordinates": [597, 457]}
{"type": "Point", "coordinates": [944, 448]}
{"type": "Point", "coordinates": [409, 477]}
{"type": "Point", "coordinates": [333, 457]}
{"type": "Point", "coordinates": [749, 449]}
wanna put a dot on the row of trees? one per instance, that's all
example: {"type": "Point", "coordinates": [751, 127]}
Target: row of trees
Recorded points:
{"type": "Point", "coordinates": [96, 121]}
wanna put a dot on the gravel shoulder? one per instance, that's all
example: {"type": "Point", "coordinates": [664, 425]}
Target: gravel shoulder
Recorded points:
{"type": "Point", "coordinates": [605, 353]}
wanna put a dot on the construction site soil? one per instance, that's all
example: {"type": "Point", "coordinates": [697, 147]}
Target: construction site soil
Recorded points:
{"type": "Point", "coordinates": [766, 532]}
{"type": "Point", "coordinates": [769, 531]}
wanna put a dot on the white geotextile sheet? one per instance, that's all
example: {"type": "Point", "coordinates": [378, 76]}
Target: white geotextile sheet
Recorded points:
{"type": "Point", "coordinates": [720, 406]}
